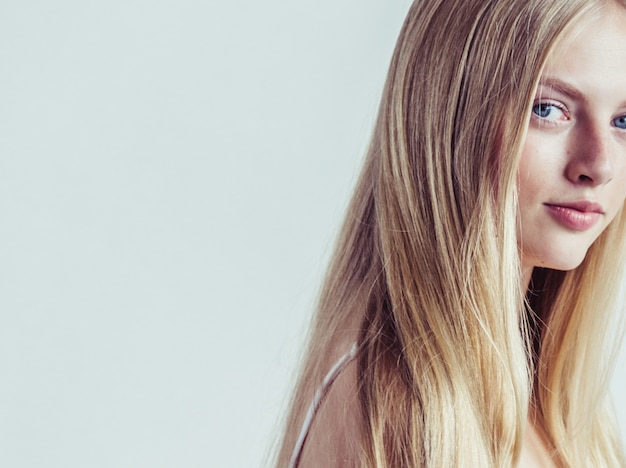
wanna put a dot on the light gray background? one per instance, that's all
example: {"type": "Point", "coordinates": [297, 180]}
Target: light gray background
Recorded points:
{"type": "Point", "coordinates": [172, 177]}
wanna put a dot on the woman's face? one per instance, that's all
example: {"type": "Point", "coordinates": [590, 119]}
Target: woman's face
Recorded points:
{"type": "Point", "coordinates": [572, 173]}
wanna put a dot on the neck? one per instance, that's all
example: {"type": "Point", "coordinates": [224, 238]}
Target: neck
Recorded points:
{"type": "Point", "coordinates": [527, 272]}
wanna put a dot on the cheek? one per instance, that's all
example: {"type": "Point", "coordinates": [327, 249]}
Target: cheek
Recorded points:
{"type": "Point", "coordinates": [526, 171]}
{"type": "Point", "coordinates": [542, 162]}
{"type": "Point", "coordinates": [618, 196]}
{"type": "Point", "coordinates": [619, 202]}
{"type": "Point", "coordinates": [622, 184]}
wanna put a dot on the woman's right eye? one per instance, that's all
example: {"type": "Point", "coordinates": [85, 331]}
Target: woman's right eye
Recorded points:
{"type": "Point", "coordinates": [549, 111]}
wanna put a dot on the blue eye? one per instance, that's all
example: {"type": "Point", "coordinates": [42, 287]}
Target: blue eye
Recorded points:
{"type": "Point", "coordinates": [620, 122]}
{"type": "Point", "coordinates": [548, 111]}
{"type": "Point", "coordinates": [542, 110]}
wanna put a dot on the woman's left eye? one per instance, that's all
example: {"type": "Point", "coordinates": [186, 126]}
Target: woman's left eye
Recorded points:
{"type": "Point", "coordinates": [620, 122]}
{"type": "Point", "coordinates": [549, 111]}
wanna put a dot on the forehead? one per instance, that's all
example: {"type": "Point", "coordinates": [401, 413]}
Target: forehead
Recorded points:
{"type": "Point", "coordinates": [593, 55]}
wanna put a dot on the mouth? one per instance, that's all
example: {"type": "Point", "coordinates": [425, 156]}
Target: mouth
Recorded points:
{"type": "Point", "coordinates": [576, 216]}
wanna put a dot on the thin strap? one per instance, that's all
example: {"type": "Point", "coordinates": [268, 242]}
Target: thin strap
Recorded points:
{"type": "Point", "coordinates": [317, 402]}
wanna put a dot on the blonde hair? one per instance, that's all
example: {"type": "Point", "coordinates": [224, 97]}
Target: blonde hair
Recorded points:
{"type": "Point", "coordinates": [449, 366]}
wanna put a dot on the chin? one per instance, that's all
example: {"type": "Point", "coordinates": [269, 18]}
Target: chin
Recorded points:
{"type": "Point", "coordinates": [556, 259]}
{"type": "Point", "coordinates": [564, 264]}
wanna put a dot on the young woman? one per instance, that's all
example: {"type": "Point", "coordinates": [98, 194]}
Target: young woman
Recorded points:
{"type": "Point", "coordinates": [469, 315]}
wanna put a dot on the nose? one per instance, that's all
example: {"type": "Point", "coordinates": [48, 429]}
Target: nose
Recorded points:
{"type": "Point", "coordinates": [590, 157]}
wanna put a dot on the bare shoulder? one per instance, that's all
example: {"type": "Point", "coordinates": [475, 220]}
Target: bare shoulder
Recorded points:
{"type": "Point", "coordinates": [334, 439]}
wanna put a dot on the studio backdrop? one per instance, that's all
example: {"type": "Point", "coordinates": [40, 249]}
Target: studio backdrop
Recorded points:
{"type": "Point", "coordinates": [173, 175]}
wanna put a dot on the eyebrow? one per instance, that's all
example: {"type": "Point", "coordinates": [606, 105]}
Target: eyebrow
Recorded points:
{"type": "Point", "coordinates": [562, 87]}
{"type": "Point", "coordinates": [567, 89]}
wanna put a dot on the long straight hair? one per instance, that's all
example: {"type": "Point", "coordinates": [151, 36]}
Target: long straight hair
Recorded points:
{"type": "Point", "coordinates": [453, 357]}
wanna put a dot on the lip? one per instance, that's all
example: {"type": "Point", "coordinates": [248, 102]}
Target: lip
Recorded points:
{"type": "Point", "coordinates": [577, 216]}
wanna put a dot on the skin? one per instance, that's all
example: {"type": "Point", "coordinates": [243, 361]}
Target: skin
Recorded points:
{"type": "Point", "coordinates": [574, 151]}
{"type": "Point", "coordinates": [575, 148]}
{"type": "Point", "coordinates": [574, 154]}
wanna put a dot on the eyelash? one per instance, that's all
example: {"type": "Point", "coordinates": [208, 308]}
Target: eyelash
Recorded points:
{"type": "Point", "coordinates": [622, 120]}
{"type": "Point", "coordinates": [618, 122]}
{"type": "Point", "coordinates": [542, 105]}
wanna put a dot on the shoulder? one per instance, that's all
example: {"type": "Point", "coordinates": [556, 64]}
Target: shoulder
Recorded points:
{"type": "Point", "coordinates": [335, 435]}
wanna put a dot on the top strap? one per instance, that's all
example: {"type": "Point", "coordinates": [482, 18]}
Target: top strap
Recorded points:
{"type": "Point", "coordinates": [320, 394]}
